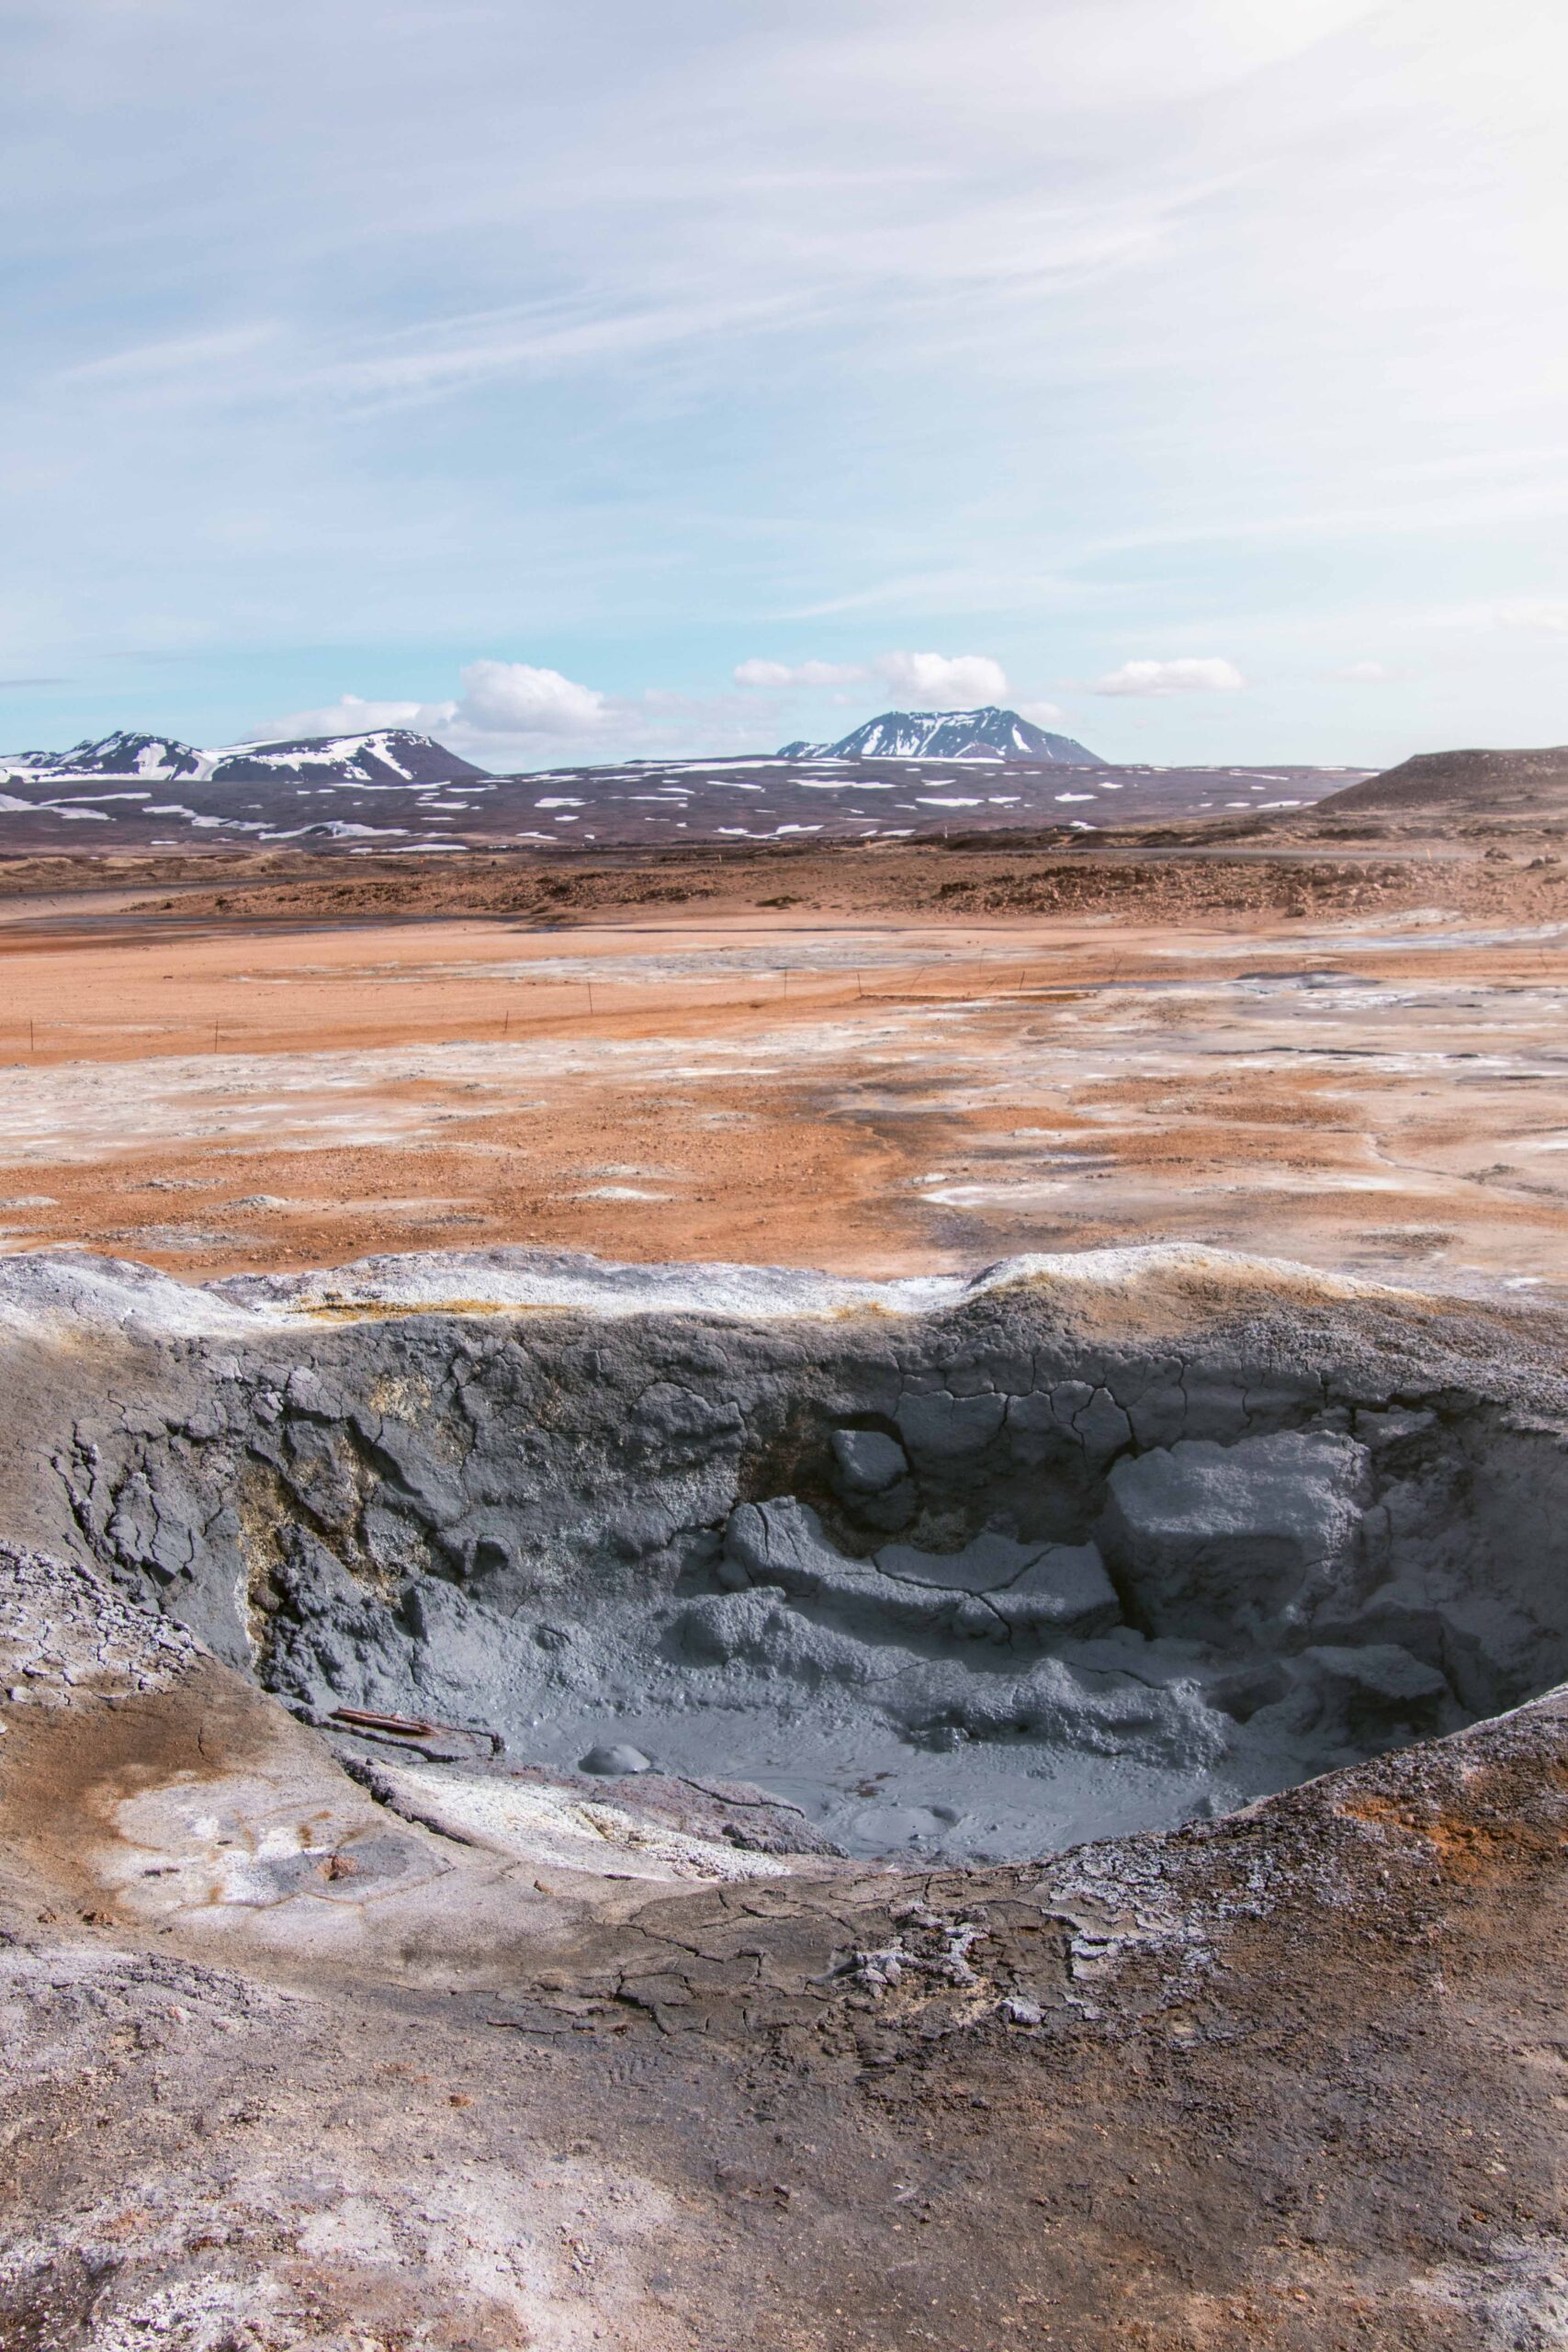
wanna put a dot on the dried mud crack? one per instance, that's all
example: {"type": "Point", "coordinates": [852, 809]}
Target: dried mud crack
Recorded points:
{"type": "Point", "coordinates": [551, 1803]}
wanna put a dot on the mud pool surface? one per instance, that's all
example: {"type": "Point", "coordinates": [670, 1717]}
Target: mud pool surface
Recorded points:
{"type": "Point", "coordinates": [947, 1564]}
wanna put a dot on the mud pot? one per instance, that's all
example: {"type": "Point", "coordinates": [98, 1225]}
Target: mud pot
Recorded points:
{"type": "Point", "coordinates": [956, 1571]}
{"type": "Point", "coordinates": [547, 1805]}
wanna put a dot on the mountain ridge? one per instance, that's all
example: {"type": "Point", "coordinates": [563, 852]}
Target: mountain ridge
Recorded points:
{"type": "Point", "coordinates": [990, 733]}
{"type": "Point", "coordinates": [380, 755]}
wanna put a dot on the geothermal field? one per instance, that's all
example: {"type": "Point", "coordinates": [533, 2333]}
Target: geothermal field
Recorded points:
{"type": "Point", "coordinates": [792, 1596]}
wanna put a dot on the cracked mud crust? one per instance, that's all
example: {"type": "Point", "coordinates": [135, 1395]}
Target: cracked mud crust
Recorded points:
{"type": "Point", "coordinates": [1295, 2078]}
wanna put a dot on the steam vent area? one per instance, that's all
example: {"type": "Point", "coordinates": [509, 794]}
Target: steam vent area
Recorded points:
{"type": "Point", "coordinates": [555, 1803]}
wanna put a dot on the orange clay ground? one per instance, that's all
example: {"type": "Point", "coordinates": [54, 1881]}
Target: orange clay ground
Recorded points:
{"type": "Point", "coordinates": [1372, 1079]}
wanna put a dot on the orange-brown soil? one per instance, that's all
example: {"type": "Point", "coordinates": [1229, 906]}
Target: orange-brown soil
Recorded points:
{"type": "Point", "coordinates": [875, 1061]}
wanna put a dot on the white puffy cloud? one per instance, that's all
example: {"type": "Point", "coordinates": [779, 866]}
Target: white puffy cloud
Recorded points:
{"type": "Point", "coordinates": [511, 700]}
{"type": "Point", "coordinates": [1546, 615]}
{"type": "Point", "coordinates": [516, 698]}
{"type": "Point", "coordinates": [939, 681]}
{"type": "Point", "coordinates": [927, 680]}
{"type": "Point", "coordinates": [353, 715]}
{"type": "Point", "coordinates": [1365, 674]}
{"type": "Point", "coordinates": [1205, 675]}
{"type": "Point", "coordinates": [507, 712]}
{"type": "Point", "coordinates": [803, 674]}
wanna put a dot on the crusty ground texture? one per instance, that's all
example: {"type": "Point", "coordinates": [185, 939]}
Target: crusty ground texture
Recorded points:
{"type": "Point", "coordinates": [282, 2069]}
{"type": "Point", "coordinates": [880, 1061]}
{"type": "Point", "coordinates": [1294, 2079]}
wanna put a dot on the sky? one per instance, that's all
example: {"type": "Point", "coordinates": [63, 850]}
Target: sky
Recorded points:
{"type": "Point", "coordinates": [590, 383]}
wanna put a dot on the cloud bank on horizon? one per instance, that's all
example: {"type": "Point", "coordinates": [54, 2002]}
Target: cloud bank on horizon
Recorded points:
{"type": "Point", "coordinates": [611, 380]}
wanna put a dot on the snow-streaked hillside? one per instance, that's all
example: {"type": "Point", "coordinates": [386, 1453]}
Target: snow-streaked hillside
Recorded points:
{"type": "Point", "coordinates": [390, 755]}
{"type": "Point", "coordinates": [346, 796]}
{"type": "Point", "coordinates": [153, 757]}
{"type": "Point", "coordinates": [986, 734]}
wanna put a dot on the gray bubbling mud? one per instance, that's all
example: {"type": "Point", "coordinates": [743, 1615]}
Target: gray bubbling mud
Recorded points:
{"type": "Point", "coordinates": [963, 1570]}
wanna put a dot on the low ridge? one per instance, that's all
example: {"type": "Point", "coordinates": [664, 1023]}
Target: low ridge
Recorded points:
{"type": "Point", "coordinates": [1473, 782]}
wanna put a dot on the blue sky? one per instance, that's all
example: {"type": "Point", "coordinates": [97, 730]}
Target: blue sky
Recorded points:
{"type": "Point", "coordinates": [641, 381]}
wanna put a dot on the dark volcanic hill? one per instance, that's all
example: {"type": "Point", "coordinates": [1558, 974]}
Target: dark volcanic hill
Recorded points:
{"type": "Point", "coordinates": [122, 753]}
{"type": "Point", "coordinates": [986, 734]}
{"type": "Point", "coordinates": [388, 755]}
{"type": "Point", "coordinates": [1463, 784]}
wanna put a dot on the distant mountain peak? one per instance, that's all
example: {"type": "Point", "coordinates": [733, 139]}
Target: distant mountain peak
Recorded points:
{"type": "Point", "coordinates": [384, 756]}
{"type": "Point", "coordinates": [121, 754]}
{"type": "Point", "coordinates": [990, 733]}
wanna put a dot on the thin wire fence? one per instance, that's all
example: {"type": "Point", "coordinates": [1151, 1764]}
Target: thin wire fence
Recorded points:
{"type": "Point", "coordinates": [531, 1005]}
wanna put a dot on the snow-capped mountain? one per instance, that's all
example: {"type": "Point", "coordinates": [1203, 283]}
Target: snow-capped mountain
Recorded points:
{"type": "Point", "coordinates": [156, 756]}
{"type": "Point", "coordinates": [390, 755]}
{"type": "Point", "coordinates": [988, 734]}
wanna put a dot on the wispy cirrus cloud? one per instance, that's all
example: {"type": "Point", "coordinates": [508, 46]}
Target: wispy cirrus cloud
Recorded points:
{"type": "Point", "coordinates": [629, 338]}
{"type": "Point", "coordinates": [186, 359]}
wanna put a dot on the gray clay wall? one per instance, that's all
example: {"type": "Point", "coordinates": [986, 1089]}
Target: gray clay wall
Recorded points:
{"type": "Point", "coordinates": [1220, 1564]}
